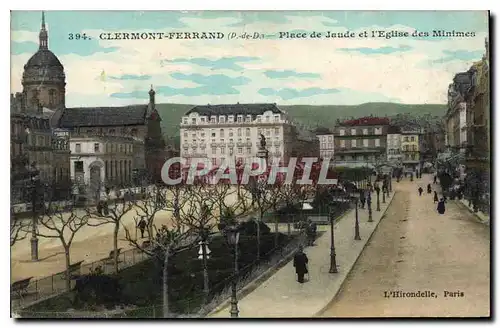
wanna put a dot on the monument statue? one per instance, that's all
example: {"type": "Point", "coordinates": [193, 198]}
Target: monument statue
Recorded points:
{"type": "Point", "coordinates": [262, 141]}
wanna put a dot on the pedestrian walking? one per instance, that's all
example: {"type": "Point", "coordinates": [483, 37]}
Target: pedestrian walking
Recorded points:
{"type": "Point", "coordinates": [362, 198]}
{"type": "Point", "coordinates": [420, 191]}
{"type": "Point", "coordinates": [441, 208]}
{"type": "Point", "coordinates": [142, 226]}
{"type": "Point", "coordinates": [311, 232]}
{"type": "Point", "coordinates": [435, 178]}
{"type": "Point", "coordinates": [429, 189]}
{"type": "Point", "coordinates": [435, 197]}
{"type": "Point", "coordinates": [300, 262]}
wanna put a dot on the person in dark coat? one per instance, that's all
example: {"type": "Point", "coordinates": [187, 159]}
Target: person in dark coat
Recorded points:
{"type": "Point", "coordinates": [435, 179]}
{"type": "Point", "coordinates": [362, 198]}
{"type": "Point", "coordinates": [436, 199]}
{"type": "Point", "coordinates": [441, 208]}
{"type": "Point", "coordinates": [300, 262]}
{"type": "Point", "coordinates": [142, 226]}
{"type": "Point", "coordinates": [429, 189]}
{"type": "Point", "coordinates": [420, 191]}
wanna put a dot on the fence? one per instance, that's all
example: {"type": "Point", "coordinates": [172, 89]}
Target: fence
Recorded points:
{"type": "Point", "coordinates": [48, 287]}
{"type": "Point", "coordinates": [51, 286]}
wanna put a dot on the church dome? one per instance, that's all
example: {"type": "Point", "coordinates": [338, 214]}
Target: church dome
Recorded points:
{"type": "Point", "coordinates": [44, 58]}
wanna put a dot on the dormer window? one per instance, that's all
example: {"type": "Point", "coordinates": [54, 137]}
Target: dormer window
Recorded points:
{"type": "Point", "coordinates": [268, 119]}
{"type": "Point", "coordinates": [193, 120]}
{"type": "Point", "coordinates": [259, 118]}
{"type": "Point", "coordinates": [240, 118]}
{"type": "Point", "coordinates": [222, 119]}
{"type": "Point", "coordinates": [202, 120]}
{"type": "Point", "coordinates": [230, 119]}
{"type": "Point", "coordinates": [276, 118]}
{"type": "Point", "coordinates": [212, 119]}
{"type": "Point", "coordinates": [249, 118]}
{"type": "Point", "coordinates": [185, 120]}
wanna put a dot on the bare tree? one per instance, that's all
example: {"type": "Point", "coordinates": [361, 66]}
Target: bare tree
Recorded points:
{"type": "Point", "coordinates": [167, 239]}
{"type": "Point", "coordinates": [63, 223]}
{"type": "Point", "coordinates": [111, 211]}
{"type": "Point", "coordinates": [18, 229]}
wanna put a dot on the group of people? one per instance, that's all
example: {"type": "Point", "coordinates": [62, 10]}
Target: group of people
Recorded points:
{"type": "Point", "coordinates": [440, 207]}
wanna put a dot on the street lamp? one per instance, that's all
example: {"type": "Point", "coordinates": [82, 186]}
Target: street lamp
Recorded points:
{"type": "Point", "coordinates": [35, 183]}
{"type": "Point", "coordinates": [333, 259]}
{"type": "Point", "coordinates": [233, 236]}
{"type": "Point", "coordinates": [369, 203]}
{"type": "Point", "coordinates": [377, 189]}
{"type": "Point", "coordinates": [354, 199]}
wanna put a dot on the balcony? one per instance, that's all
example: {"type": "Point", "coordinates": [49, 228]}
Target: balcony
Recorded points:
{"type": "Point", "coordinates": [277, 142]}
{"type": "Point", "coordinates": [360, 149]}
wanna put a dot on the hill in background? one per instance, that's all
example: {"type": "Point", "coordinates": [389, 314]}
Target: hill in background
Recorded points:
{"type": "Point", "coordinates": [311, 116]}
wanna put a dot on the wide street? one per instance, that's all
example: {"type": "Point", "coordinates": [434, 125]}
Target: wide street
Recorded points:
{"type": "Point", "coordinates": [416, 249]}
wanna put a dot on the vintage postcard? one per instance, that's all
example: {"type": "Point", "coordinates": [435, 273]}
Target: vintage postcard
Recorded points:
{"type": "Point", "coordinates": [250, 164]}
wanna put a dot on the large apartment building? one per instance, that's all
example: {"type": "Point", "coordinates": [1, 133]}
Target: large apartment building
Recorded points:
{"type": "Point", "coordinates": [326, 144]}
{"type": "Point", "coordinates": [411, 140]}
{"type": "Point", "coordinates": [360, 142]}
{"type": "Point", "coordinates": [232, 132]}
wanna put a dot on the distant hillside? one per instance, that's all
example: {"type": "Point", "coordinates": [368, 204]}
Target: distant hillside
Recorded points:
{"type": "Point", "coordinates": [311, 115]}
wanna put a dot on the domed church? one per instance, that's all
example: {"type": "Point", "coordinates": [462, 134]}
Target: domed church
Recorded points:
{"type": "Point", "coordinates": [44, 81]}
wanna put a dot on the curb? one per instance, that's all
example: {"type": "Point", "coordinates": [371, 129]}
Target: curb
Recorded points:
{"type": "Point", "coordinates": [320, 312]}
{"type": "Point", "coordinates": [251, 286]}
{"type": "Point", "coordinates": [476, 217]}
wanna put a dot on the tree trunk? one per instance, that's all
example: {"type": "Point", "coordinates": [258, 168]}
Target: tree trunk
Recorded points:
{"type": "Point", "coordinates": [68, 264]}
{"type": "Point", "coordinates": [165, 284]}
{"type": "Point", "coordinates": [258, 239]}
{"type": "Point", "coordinates": [276, 228]}
{"type": "Point", "coordinates": [115, 246]}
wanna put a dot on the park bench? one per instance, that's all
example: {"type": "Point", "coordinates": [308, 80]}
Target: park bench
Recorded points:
{"type": "Point", "coordinates": [20, 287]}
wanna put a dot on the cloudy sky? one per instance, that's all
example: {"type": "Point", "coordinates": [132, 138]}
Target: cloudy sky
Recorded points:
{"type": "Point", "coordinates": [286, 71]}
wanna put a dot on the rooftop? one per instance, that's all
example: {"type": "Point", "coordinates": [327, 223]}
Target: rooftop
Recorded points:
{"type": "Point", "coordinates": [365, 121]}
{"type": "Point", "coordinates": [234, 109]}
{"type": "Point", "coordinates": [103, 116]}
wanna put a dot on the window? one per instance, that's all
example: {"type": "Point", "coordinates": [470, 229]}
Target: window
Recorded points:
{"type": "Point", "coordinates": [377, 142]}
{"type": "Point", "coordinates": [378, 130]}
{"type": "Point", "coordinates": [223, 150]}
{"type": "Point", "coordinates": [259, 118]}
{"type": "Point", "coordinates": [239, 119]}
{"type": "Point", "coordinates": [406, 139]}
{"type": "Point", "coordinates": [222, 119]}
{"type": "Point", "coordinates": [96, 148]}
{"type": "Point", "coordinates": [412, 139]}
{"type": "Point", "coordinates": [365, 131]}
{"type": "Point", "coordinates": [248, 132]}
{"type": "Point", "coordinates": [414, 147]}
{"type": "Point", "coordinates": [193, 120]}
{"type": "Point", "coordinates": [249, 118]}
{"type": "Point", "coordinates": [323, 145]}
{"type": "Point", "coordinates": [276, 118]}
{"type": "Point", "coordinates": [222, 140]}
{"type": "Point", "coordinates": [213, 133]}
{"type": "Point", "coordinates": [185, 134]}
{"type": "Point", "coordinates": [365, 142]}
{"type": "Point", "coordinates": [203, 134]}
{"type": "Point", "coordinates": [230, 119]}
{"type": "Point", "coordinates": [230, 132]}
{"type": "Point", "coordinates": [231, 151]}
{"type": "Point", "coordinates": [240, 150]}
{"type": "Point", "coordinates": [214, 161]}
{"type": "Point", "coordinates": [342, 132]}
{"type": "Point", "coordinates": [276, 131]}
{"type": "Point", "coordinates": [239, 132]}
{"type": "Point", "coordinates": [353, 143]}
{"type": "Point", "coordinates": [214, 150]}
{"type": "Point", "coordinates": [203, 120]}
{"type": "Point", "coordinates": [353, 132]}
{"type": "Point", "coordinates": [330, 138]}
{"type": "Point", "coordinates": [268, 119]}
{"type": "Point", "coordinates": [78, 148]}
{"type": "Point", "coordinates": [221, 132]}
{"type": "Point", "coordinates": [212, 119]}
{"type": "Point", "coordinates": [268, 132]}
{"type": "Point", "coordinates": [342, 143]}
{"type": "Point", "coordinates": [249, 150]}
{"type": "Point", "coordinates": [330, 145]}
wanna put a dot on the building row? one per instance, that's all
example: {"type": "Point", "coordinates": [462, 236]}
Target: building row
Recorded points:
{"type": "Point", "coordinates": [467, 125]}
{"type": "Point", "coordinates": [372, 141]}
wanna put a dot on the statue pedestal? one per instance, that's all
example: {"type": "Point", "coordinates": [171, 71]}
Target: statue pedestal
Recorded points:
{"type": "Point", "coordinates": [262, 153]}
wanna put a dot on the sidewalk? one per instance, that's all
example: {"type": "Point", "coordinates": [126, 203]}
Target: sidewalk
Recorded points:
{"type": "Point", "coordinates": [482, 217]}
{"type": "Point", "coordinates": [281, 296]}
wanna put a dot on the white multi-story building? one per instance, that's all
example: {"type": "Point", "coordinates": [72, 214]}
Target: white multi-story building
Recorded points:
{"type": "Point", "coordinates": [394, 154]}
{"type": "Point", "coordinates": [232, 132]}
{"type": "Point", "coordinates": [326, 143]}
{"type": "Point", "coordinates": [100, 160]}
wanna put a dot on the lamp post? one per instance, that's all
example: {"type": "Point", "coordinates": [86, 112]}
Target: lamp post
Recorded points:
{"type": "Point", "coordinates": [383, 194]}
{"type": "Point", "coordinates": [233, 236]}
{"type": "Point", "coordinates": [369, 202]}
{"type": "Point", "coordinates": [333, 258]}
{"type": "Point", "coordinates": [377, 189]}
{"type": "Point", "coordinates": [356, 222]}
{"type": "Point", "coordinates": [35, 182]}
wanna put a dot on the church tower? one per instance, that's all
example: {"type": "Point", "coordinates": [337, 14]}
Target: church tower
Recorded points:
{"type": "Point", "coordinates": [44, 81]}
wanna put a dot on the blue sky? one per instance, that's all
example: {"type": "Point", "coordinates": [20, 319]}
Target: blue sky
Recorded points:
{"type": "Point", "coordinates": [298, 71]}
